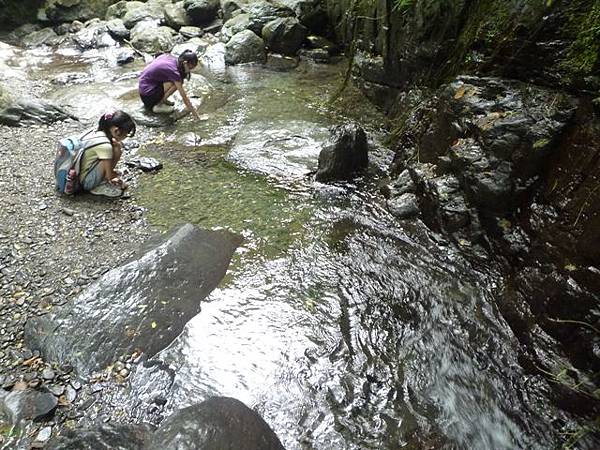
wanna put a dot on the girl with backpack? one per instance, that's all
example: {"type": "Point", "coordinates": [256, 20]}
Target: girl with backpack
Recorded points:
{"type": "Point", "coordinates": [162, 77]}
{"type": "Point", "coordinates": [103, 151]}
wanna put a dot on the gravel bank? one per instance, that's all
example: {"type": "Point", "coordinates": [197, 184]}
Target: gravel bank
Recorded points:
{"type": "Point", "coordinates": [51, 248]}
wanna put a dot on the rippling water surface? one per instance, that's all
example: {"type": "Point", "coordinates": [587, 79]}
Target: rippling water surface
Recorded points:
{"type": "Point", "coordinates": [342, 326]}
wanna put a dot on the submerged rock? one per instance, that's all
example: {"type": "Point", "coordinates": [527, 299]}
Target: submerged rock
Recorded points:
{"type": "Point", "coordinates": [348, 154]}
{"type": "Point", "coordinates": [143, 304]}
{"type": "Point", "coordinates": [106, 437]}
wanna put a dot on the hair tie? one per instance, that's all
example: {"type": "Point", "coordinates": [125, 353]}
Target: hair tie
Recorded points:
{"type": "Point", "coordinates": [107, 116]}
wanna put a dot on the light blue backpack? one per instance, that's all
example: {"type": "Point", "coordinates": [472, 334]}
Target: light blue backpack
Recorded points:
{"type": "Point", "coordinates": [67, 162]}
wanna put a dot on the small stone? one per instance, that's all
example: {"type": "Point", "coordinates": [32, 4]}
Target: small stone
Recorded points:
{"type": "Point", "coordinates": [124, 373]}
{"type": "Point", "coordinates": [76, 384]}
{"type": "Point", "coordinates": [70, 394]}
{"type": "Point", "coordinates": [56, 389]}
{"type": "Point", "coordinates": [44, 434]}
{"type": "Point", "coordinates": [50, 232]}
{"type": "Point", "coordinates": [48, 374]}
{"type": "Point", "coordinates": [68, 211]}
{"type": "Point", "coordinates": [118, 366]}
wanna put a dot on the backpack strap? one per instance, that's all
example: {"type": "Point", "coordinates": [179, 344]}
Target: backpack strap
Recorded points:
{"type": "Point", "coordinates": [100, 140]}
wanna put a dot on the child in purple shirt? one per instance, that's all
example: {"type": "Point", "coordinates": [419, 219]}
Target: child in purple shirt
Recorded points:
{"type": "Point", "coordinates": [162, 77]}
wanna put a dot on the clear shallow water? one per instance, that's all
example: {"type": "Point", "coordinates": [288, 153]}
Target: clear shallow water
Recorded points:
{"type": "Point", "coordinates": [341, 326]}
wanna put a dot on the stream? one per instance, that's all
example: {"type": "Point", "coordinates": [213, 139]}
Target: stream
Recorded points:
{"type": "Point", "coordinates": [342, 326]}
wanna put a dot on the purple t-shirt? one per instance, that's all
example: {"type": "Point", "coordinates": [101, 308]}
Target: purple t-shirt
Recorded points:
{"type": "Point", "coordinates": [162, 69]}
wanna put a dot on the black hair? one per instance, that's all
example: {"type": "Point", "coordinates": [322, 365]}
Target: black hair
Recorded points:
{"type": "Point", "coordinates": [186, 56]}
{"type": "Point", "coordinates": [119, 119]}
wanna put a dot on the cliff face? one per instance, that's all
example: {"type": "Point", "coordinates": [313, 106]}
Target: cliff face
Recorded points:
{"type": "Point", "coordinates": [426, 42]}
{"type": "Point", "coordinates": [504, 157]}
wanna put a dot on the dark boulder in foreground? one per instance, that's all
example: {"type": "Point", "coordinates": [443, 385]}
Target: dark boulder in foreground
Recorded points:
{"type": "Point", "coordinates": [348, 154]}
{"type": "Point", "coordinates": [216, 423]}
{"type": "Point", "coordinates": [219, 423]}
{"type": "Point", "coordinates": [141, 305]}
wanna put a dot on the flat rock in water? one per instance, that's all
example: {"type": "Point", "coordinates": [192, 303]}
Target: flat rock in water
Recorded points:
{"type": "Point", "coordinates": [27, 404]}
{"type": "Point", "coordinates": [143, 304]}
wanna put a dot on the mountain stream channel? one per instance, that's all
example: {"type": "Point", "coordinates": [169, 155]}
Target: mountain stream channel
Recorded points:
{"type": "Point", "coordinates": [344, 327]}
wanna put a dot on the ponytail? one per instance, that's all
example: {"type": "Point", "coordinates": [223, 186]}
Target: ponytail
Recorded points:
{"type": "Point", "coordinates": [186, 56]}
{"type": "Point", "coordinates": [119, 119]}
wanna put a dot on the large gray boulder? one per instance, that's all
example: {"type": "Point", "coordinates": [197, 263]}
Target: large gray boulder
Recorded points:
{"type": "Point", "coordinates": [245, 47]}
{"type": "Point", "coordinates": [142, 304]}
{"type": "Point", "coordinates": [19, 112]}
{"type": "Point", "coordinates": [284, 35]}
{"type": "Point", "coordinates": [216, 423]}
{"type": "Point", "coordinates": [40, 37]}
{"type": "Point", "coordinates": [262, 12]}
{"type": "Point", "coordinates": [176, 16]}
{"type": "Point", "coordinates": [136, 12]}
{"type": "Point", "coordinates": [238, 23]}
{"type": "Point", "coordinates": [345, 156]}
{"type": "Point", "coordinates": [117, 29]}
{"type": "Point", "coordinates": [95, 35]}
{"type": "Point", "coordinates": [201, 12]}
{"type": "Point", "coordinates": [311, 13]}
{"type": "Point", "coordinates": [150, 38]}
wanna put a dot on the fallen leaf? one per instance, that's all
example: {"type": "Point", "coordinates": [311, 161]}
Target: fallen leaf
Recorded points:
{"type": "Point", "coordinates": [459, 92]}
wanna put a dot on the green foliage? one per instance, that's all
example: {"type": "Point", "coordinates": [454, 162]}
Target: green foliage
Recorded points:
{"type": "Point", "coordinates": [583, 53]}
{"type": "Point", "coordinates": [403, 5]}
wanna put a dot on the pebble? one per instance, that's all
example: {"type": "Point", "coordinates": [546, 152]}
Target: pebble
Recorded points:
{"type": "Point", "coordinates": [56, 389]}
{"type": "Point", "coordinates": [124, 373]}
{"type": "Point", "coordinates": [44, 434]}
{"type": "Point", "coordinates": [70, 394]}
{"type": "Point", "coordinates": [68, 211]}
{"type": "Point", "coordinates": [48, 374]}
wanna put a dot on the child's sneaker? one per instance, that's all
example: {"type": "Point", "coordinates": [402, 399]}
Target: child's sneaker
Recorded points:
{"type": "Point", "coordinates": [107, 190]}
{"type": "Point", "coordinates": [162, 109]}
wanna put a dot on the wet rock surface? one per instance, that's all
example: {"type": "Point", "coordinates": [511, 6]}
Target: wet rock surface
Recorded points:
{"type": "Point", "coordinates": [105, 437]}
{"type": "Point", "coordinates": [499, 165]}
{"type": "Point", "coordinates": [141, 306]}
{"type": "Point", "coordinates": [347, 155]}
{"type": "Point", "coordinates": [216, 423]}
{"type": "Point", "coordinates": [219, 422]}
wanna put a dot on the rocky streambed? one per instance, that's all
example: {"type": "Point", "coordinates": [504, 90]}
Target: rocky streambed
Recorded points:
{"type": "Point", "coordinates": [370, 303]}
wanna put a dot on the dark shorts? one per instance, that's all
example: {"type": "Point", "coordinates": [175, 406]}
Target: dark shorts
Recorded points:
{"type": "Point", "coordinates": [153, 97]}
